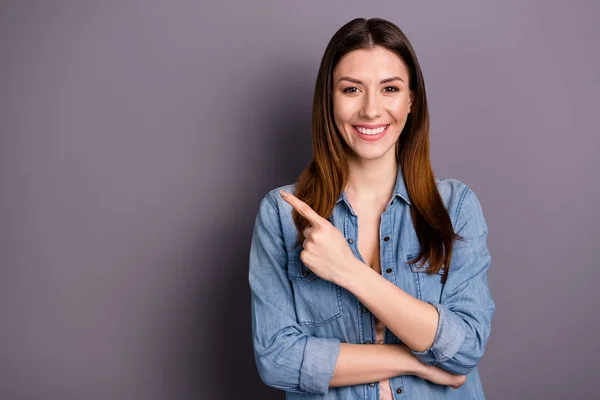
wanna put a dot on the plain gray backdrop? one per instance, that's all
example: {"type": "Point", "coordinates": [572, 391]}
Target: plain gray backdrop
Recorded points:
{"type": "Point", "coordinates": [137, 139]}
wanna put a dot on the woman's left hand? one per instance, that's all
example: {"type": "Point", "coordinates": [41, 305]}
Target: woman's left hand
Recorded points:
{"type": "Point", "coordinates": [326, 251]}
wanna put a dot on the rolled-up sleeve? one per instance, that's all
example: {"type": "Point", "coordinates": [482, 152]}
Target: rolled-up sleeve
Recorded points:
{"type": "Point", "coordinates": [286, 357]}
{"type": "Point", "coordinates": [466, 307]}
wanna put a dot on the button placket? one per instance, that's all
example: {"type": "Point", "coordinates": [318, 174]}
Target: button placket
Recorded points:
{"type": "Point", "coordinates": [387, 248]}
{"type": "Point", "coordinates": [366, 318]}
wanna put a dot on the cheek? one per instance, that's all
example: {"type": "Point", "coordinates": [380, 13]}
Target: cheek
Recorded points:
{"type": "Point", "coordinates": [343, 110]}
{"type": "Point", "coordinates": [398, 106]}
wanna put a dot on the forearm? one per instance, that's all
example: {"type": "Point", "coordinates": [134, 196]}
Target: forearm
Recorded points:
{"type": "Point", "coordinates": [366, 363]}
{"type": "Point", "coordinates": [410, 319]}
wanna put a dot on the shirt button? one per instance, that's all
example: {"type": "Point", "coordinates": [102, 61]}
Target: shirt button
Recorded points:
{"type": "Point", "coordinates": [305, 273]}
{"type": "Point", "coordinates": [385, 239]}
{"type": "Point", "coordinates": [365, 309]}
{"type": "Point", "coordinates": [368, 342]}
{"type": "Point", "coordinates": [350, 240]}
{"type": "Point", "coordinates": [399, 390]}
{"type": "Point", "coordinates": [371, 384]}
{"type": "Point", "coordinates": [389, 270]}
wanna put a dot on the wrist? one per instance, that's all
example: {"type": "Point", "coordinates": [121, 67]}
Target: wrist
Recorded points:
{"type": "Point", "coordinates": [351, 274]}
{"type": "Point", "coordinates": [419, 369]}
{"type": "Point", "coordinates": [407, 363]}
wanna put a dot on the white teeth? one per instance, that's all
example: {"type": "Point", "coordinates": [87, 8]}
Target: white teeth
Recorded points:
{"type": "Point", "coordinates": [365, 131]}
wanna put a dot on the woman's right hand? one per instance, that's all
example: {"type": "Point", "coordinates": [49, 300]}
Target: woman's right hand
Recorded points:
{"type": "Point", "coordinates": [440, 376]}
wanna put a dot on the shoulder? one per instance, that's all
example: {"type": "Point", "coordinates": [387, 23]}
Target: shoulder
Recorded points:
{"type": "Point", "coordinates": [463, 205]}
{"type": "Point", "coordinates": [275, 217]}
{"type": "Point", "coordinates": [273, 197]}
{"type": "Point", "coordinates": [453, 193]}
{"type": "Point", "coordinates": [274, 207]}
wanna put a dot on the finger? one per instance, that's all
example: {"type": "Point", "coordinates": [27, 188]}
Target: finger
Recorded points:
{"type": "Point", "coordinates": [306, 232]}
{"type": "Point", "coordinates": [303, 208]}
{"type": "Point", "coordinates": [304, 243]}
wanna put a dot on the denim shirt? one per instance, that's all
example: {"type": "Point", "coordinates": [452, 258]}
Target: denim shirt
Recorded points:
{"type": "Point", "coordinates": [299, 319]}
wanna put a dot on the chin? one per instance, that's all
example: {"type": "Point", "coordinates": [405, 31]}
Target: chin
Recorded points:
{"type": "Point", "coordinates": [371, 155]}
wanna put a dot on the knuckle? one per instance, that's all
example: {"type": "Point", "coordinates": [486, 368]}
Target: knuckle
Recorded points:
{"type": "Point", "coordinates": [304, 256]}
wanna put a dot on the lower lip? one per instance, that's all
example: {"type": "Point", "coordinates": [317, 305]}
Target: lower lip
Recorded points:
{"type": "Point", "coordinates": [371, 138]}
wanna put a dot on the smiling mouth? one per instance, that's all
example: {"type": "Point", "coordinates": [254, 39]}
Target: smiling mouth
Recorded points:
{"type": "Point", "coordinates": [370, 131]}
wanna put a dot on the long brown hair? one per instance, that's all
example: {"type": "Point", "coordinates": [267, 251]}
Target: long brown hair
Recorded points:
{"type": "Point", "coordinates": [322, 181]}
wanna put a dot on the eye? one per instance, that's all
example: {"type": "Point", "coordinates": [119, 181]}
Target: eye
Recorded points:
{"type": "Point", "coordinates": [395, 89]}
{"type": "Point", "coordinates": [348, 89]}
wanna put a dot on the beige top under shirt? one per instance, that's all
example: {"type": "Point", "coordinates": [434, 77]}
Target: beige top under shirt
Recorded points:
{"type": "Point", "coordinates": [385, 390]}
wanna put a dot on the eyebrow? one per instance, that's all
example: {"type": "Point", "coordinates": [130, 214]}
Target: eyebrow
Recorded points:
{"type": "Point", "coordinates": [347, 78]}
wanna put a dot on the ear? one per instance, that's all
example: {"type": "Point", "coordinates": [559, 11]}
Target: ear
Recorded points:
{"type": "Point", "coordinates": [411, 100]}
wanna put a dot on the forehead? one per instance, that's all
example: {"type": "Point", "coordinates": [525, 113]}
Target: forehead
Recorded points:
{"type": "Point", "coordinates": [375, 63]}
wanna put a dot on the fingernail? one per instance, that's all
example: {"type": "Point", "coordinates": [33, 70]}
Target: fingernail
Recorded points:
{"type": "Point", "coordinates": [282, 193]}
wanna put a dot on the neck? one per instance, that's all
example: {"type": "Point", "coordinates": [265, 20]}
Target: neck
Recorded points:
{"type": "Point", "coordinates": [371, 180]}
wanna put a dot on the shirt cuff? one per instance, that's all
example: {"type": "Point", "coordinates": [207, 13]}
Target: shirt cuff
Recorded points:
{"type": "Point", "coordinates": [449, 336]}
{"type": "Point", "coordinates": [320, 356]}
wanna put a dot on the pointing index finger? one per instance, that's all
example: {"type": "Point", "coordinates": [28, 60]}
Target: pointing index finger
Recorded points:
{"type": "Point", "coordinates": [303, 208]}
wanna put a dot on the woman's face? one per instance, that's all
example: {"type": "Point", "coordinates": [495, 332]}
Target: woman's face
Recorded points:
{"type": "Point", "coordinates": [371, 100]}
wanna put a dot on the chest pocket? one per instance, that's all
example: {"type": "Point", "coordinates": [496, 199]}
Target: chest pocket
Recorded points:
{"type": "Point", "coordinates": [428, 286]}
{"type": "Point", "coordinates": [317, 301]}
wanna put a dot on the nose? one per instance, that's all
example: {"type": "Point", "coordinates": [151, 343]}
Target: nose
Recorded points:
{"type": "Point", "coordinates": [371, 109]}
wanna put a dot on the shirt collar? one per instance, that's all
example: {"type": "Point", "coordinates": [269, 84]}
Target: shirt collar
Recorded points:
{"type": "Point", "coordinates": [399, 189]}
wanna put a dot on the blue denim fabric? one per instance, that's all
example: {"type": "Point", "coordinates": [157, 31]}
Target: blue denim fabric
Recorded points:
{"type": "Point", "coordinates": [299, 319]}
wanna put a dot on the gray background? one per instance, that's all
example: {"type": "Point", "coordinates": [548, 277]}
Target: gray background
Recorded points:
{"type": "Point", "coordinates": [138, 137]}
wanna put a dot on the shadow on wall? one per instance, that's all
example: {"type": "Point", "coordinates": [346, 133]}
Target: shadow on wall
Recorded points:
{"type": "Point", "coordinates": [222, 356]}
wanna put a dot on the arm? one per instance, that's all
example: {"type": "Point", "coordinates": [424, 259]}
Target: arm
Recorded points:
{"type": "Point", "coordinates": [365, 363]}
{"type": "Point", "coordinates": [451, 334]}
{"type": "Point", "coordinates": [410, 319]}
{"type": "Point", "coordinates": [286, 357]}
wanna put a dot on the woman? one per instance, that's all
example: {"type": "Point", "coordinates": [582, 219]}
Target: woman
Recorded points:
{"type": "Point", "coordinates": [368, 276]}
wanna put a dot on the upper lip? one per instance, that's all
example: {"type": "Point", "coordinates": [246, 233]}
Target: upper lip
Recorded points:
{"type": "Point", "coordinates": [370, 126]}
